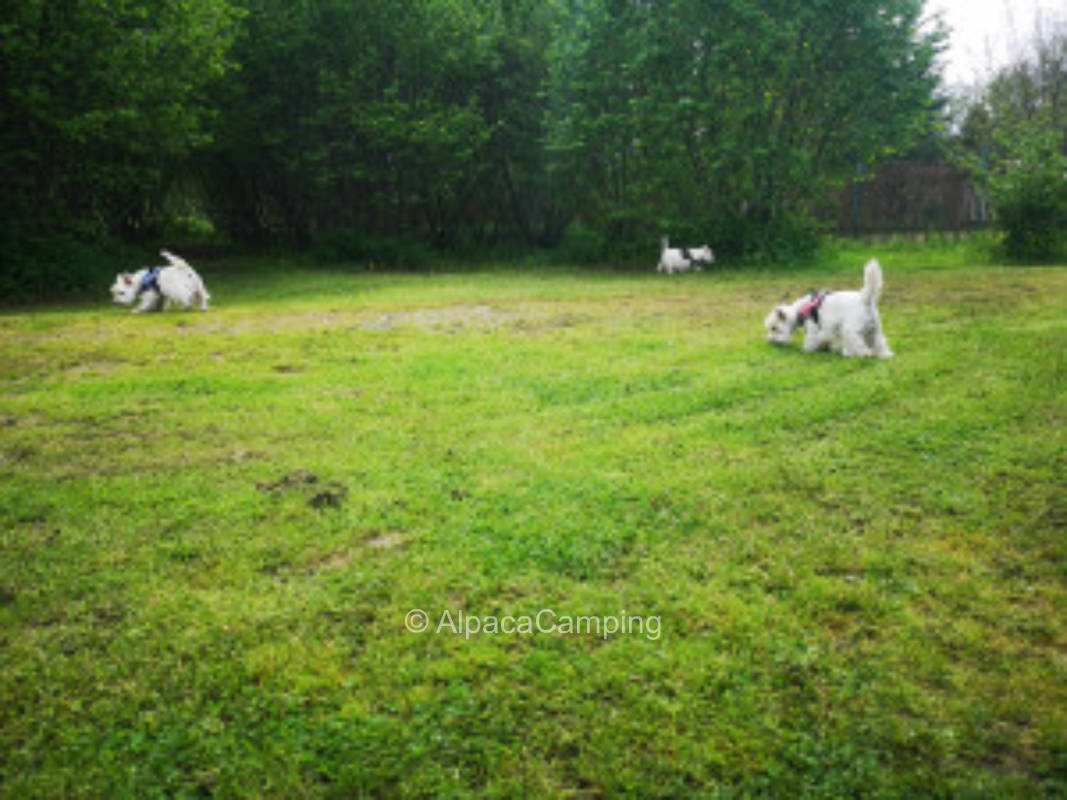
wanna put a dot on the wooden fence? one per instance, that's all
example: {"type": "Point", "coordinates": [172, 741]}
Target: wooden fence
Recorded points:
{"type": "Point", "coordinates": [908, 197]}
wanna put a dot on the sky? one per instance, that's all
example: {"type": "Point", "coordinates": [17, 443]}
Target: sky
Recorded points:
{"type": "Point", "coordinates": [987, 34]}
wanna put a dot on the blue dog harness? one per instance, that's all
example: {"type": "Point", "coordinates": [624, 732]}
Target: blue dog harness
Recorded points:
{"type": "Point", "coordinates": [150, 281]}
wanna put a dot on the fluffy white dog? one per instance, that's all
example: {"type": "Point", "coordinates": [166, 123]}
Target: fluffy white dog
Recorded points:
{"type": "Point", "coordinates": [681, 259]}
{"type": "Point", "coordinates": [843, 322]}
{"type": "Point", "coordinates": [157, 287]}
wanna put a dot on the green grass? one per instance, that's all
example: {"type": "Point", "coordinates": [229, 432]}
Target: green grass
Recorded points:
{"type": "Point", "coordinates": [859, 567]}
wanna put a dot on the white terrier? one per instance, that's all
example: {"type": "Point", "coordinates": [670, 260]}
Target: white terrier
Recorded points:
{"type": "Point", "coordinates": [681, 259]}
{"type": "Point", "coordinates": [843, 322]}
{"type": "Point", "coordinates": [159, 286]}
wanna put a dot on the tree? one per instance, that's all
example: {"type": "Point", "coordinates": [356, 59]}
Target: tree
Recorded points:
{"type": "Point", "coordinates": [457, 122]}
{"type": "Point", "coordinates": [103, 99]}
{"type": "Point", "coordinates": [1015, 137]}
{"type": "Point", "coordinates": [734, 116]}
{"type": "Point", "coordinates": [414, 118]}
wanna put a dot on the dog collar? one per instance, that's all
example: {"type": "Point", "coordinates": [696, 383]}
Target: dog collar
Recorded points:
{"type": "Point", "coordinates": [150, 281]}
{"type": "Point", "coordinates": [810, 310]}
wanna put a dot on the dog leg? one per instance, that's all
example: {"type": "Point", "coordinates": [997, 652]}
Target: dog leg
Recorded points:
{"type": "Point", "coordinates": [201, 293]}
{"type": "Point", "coordinates": [877, 339]}
{"type": "Point", "coordinates": [149, 302]}
{"type": "Point", "coordinates": [813, 337]}
{"type": "Point", "coordinates": [881, 346]}
{"type": "Point", "coordinates": [853, 346]}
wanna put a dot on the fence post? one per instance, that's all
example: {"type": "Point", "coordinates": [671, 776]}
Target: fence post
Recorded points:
{"type": "Point", "coordinates": [857, 198]}
{"type": "Point", "coordinates": [982, 211]}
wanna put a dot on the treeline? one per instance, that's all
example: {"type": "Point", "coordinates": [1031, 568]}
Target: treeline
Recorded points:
{"type": "Point", "coordinates": [1014, 136]}
{"type": "Point", "coordinates": [454, 123]}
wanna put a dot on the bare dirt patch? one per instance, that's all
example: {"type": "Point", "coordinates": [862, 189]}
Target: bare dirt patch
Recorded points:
{"type": "Point", "coordinates": [449, 318]}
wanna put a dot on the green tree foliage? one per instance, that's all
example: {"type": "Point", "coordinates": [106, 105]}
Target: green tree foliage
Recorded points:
{"type": "Point", "coordinates": [103, 100]}
{"type": "Point", "coordinates": [457, 122]}
{"type": "Point", "coordinates": [736, 116]}
{"type": "Point", "coordinates": [394, 117]}
{"type": "Point", "coordinates": [465, 118]}
{"type": "Point", "coordinates": [1015, 136]}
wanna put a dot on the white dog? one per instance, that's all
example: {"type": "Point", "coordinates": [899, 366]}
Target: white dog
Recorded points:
{"type": "Point", "coordinates": [843, 322]}
{"type": "Point", "coordinates": [157, 287]}
{"type": "Point", "coordinates": [681, 259]}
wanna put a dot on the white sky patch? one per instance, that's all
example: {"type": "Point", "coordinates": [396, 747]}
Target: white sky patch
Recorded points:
{"type": "Point", "coordinates": [985, 35]}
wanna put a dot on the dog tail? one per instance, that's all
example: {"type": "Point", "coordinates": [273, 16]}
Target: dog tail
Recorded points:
{"type": "Point", "coordinates": [872, 283]}
{"type": "Point", "coordinates": [173, 260]}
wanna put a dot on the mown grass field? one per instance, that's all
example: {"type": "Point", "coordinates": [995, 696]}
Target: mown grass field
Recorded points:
{"type": "Point", "coordinates": [214, 526]}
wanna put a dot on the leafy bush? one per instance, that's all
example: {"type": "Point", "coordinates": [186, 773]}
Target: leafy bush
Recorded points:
{"type": "Point", "coordinates": [1029, 191]}
{"type": "Point", "coordinates": [59, 267]}
{"type": "Point", "coordinates": [789, 238]}
{"type": "Point", "coordinates": [630, 242]}
{"type": "Point", "coordinates": [581, 245]}
{"type": "Point", "coordinates": [351, 246]}
{"type": "Point", "coordinates": [1014, 137]}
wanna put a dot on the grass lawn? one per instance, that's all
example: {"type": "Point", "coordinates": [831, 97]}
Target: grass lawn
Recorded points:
{"type": "Point", "coordinates": [834, 578]}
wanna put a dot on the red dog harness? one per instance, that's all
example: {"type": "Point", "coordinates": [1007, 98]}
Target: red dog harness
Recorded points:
{"type": "Point", "coordinates": [810, 310]}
